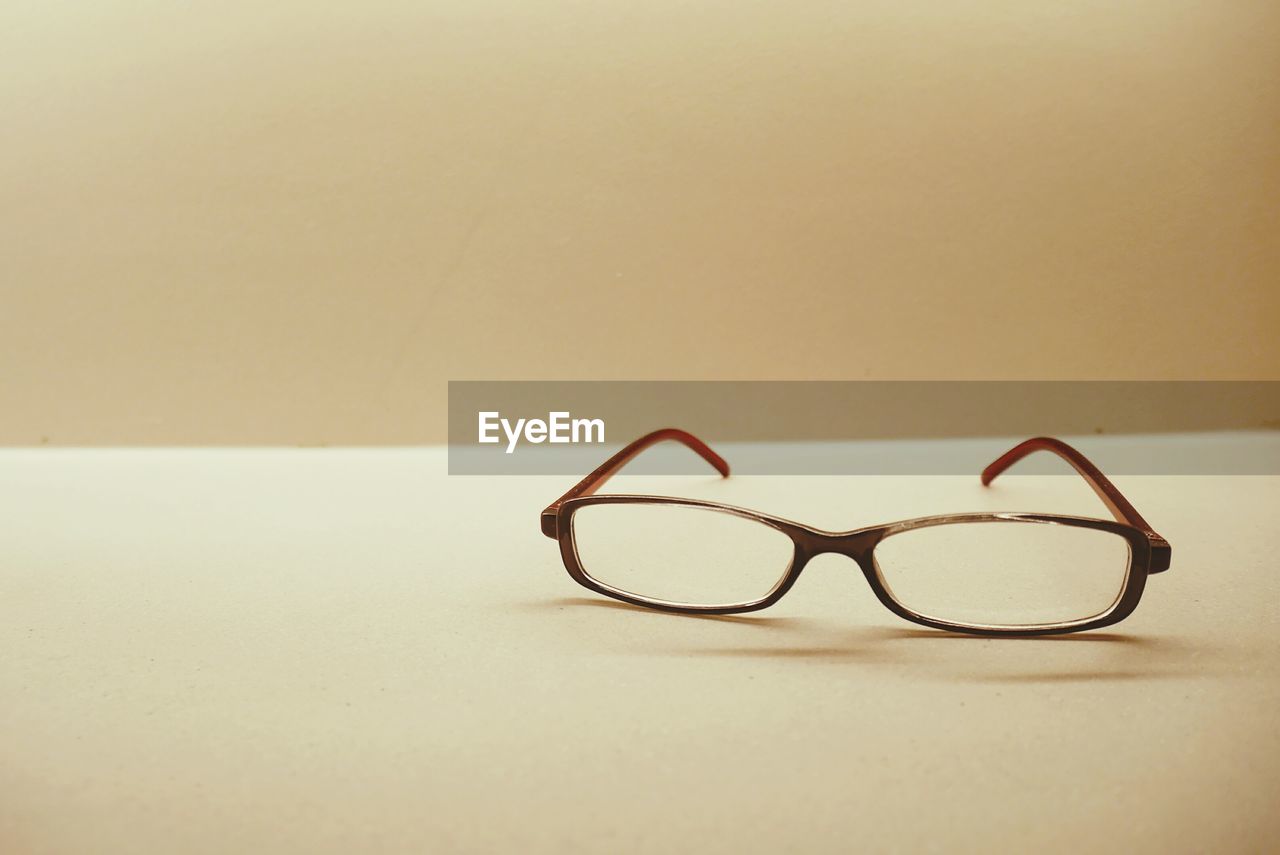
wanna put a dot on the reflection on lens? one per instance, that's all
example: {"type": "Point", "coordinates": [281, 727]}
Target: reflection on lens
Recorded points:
{"type": "Point", "coordinates": [1005, 573]}
{"type": "Point", "coordinates": [680, 554]}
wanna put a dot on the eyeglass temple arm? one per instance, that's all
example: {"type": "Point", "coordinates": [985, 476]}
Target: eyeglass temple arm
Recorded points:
{"type": "Point", "coordinates": [609, 468]}
{"type": "Point", "coordinates": [1161, 553]}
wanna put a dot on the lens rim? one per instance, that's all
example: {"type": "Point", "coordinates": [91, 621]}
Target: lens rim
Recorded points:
{"type": "Point", "coordinates": [909, 526]}
{"type": "Point", "coordinates": [859, 544]}
{"type": "Point", "coordinates": [630, 596]}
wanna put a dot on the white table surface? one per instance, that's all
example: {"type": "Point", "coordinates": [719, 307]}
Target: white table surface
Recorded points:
{"type": "Point", "coordinates": [347, 650]}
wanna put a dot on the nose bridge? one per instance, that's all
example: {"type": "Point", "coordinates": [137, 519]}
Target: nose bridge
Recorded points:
{"type": "Point", "coordinates": [854, 544]}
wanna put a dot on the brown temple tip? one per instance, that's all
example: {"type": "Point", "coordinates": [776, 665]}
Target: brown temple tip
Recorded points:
{"type": "Point", "coordinates": [701, 448]}
{"type": "Point", "coordinates": [1020, 451]}
{"type": "Point", "coordinates": [718, 462]}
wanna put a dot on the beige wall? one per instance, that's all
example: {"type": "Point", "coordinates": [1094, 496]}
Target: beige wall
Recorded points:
{"type": "Point", "coordinates": [271, 223]}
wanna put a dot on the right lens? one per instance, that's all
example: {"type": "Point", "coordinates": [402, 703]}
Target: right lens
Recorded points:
{"type": "Point", "coordinates": [1005, 573]}
{"type": "Point", "coordinates": [680, 554]}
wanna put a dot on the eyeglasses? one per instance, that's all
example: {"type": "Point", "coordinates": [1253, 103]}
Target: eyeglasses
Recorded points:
{"type": "Point", "coordinates": [999, 574]}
